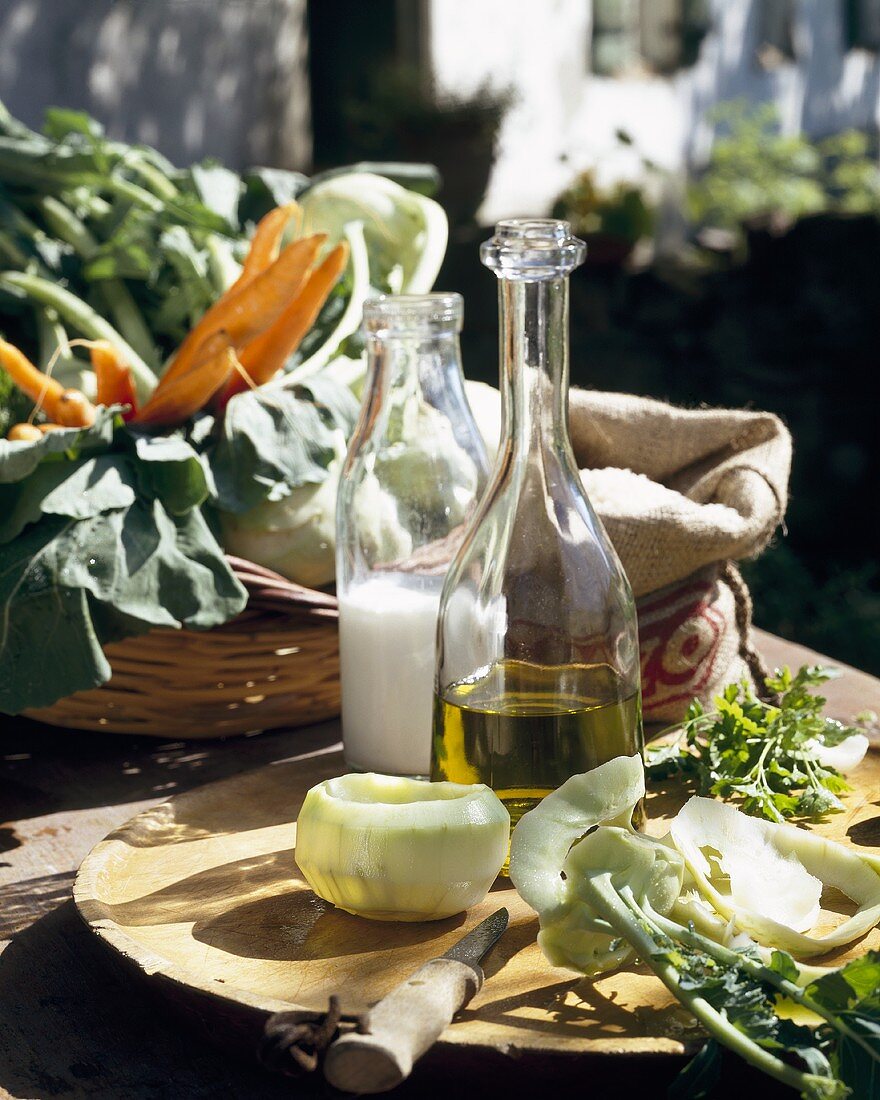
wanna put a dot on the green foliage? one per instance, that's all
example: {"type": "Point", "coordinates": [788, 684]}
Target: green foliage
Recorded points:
{"type": "Point", "coordinates": [621, 211]}
{"type": "Point", "coordinates": [102, 537]}
{"type": "Point", "coordinates": [760, 754]}
{"type": "Point", "coordinates": [399, 102]}
{"type": "Point", "coordinates": [109, 531]}
{"type": "Point", "coordinates": [838, 614]}
{"type": "Point", "coordinates": [755, 171]}
{"type": "Point", "coordinates": [92, 228]}
{"type": "Point", "coordinates": [274, 439]}
{"type": "Point", "coordinates": [839, 1059]}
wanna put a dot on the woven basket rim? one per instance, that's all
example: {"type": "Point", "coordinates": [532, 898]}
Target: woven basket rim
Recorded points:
{"type": "Point", "coordinates": [272, 594]}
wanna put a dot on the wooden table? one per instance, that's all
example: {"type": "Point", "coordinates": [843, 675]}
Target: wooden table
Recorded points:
{"type": "Point", "coordinates": [72, 1023]}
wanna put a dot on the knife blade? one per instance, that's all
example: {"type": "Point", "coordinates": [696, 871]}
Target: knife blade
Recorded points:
{"type": "Point", "coordinates": [471, 948]}
{"type": "Point", "coordinates": [409, 1020]}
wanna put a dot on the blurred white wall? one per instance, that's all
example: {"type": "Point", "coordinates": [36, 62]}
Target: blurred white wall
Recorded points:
{"type": "Point", "coordinates": [565, 118]}
{"type": "Point", "coordinates": [196, 78]}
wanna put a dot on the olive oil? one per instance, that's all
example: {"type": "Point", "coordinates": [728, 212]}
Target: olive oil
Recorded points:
{"type": "Point", "coordinates": [523, 729]}
{"type": "Point", "coordinates": [537, 641]}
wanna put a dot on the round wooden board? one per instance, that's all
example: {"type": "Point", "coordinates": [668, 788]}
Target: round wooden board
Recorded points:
{"type": "Point", "coordinates": [202, 895]}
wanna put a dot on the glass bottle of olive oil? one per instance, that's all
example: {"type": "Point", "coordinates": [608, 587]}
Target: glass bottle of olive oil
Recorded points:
{"type": "Point", "coordinates": [538, 660]}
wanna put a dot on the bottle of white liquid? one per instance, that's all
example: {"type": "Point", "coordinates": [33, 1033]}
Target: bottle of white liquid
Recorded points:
{"type": "Point", "coordinates": [414, 471]}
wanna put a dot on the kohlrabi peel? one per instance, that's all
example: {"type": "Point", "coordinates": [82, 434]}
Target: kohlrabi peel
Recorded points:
{"type": "Point", "coordinates": [687, 904]}
{"type": "Point", "coordinates": [550, 858]}
{"type": "Point", "coordinates": [768, 877]}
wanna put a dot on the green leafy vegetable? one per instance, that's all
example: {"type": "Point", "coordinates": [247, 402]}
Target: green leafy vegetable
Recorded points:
{"type": "Point", "coordinates": [107, 532]}
{"type": "Point", "coordinates": [615, 894]}
{"type": "Point", "coordinates": [276, 438]}
{"type": "Point", "coordinates": [18, 460]}
{"type": "Point", "coordinates": [174, 472]}
{"type": "Point", "coordinates": [101, 537]}
{"type": "Point", "coordinates": [766, 756]}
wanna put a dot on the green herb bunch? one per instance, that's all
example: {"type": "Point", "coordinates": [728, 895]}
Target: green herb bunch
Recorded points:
{"type": "Point", "coordinates": [761, 754]}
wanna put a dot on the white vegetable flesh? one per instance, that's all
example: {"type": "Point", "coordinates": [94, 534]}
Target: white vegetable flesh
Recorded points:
{"type": "Point", "coordinates": [734, 857]}
{"type": "Point", "coordinates": [550, 857]}
{"type": "Point", "coordinates": [844, 757]}
{"type": "Point", "coordinates": [399, 849]}
{"type": "Point", "coordinates": [735, 879]}
{"type": "Point", "coordinates": [775, 876]}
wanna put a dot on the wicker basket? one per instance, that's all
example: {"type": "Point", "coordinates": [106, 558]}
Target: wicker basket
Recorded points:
{"type": "Point", "coordinates": [276, 664]}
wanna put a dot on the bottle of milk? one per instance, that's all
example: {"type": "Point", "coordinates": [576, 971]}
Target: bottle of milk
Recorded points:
{"type": "Point", "coordinates": [415, 469]}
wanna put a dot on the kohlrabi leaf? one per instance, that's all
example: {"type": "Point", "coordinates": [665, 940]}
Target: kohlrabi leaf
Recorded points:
{"type": "Point", "coordinates": [174, 471]}
{"type": "Point", "coordinates": [268, 187]}
{"type": "Point", "coordinates": [80, 489]}
{"type": "Point", "coordinates": [272, 440]}
{"type": "Point", "coordinates": [218, 188]}
{"type": "Point", "coordinates": [138, 564]}
{"type": "Point", "coordinates": [19, 459]}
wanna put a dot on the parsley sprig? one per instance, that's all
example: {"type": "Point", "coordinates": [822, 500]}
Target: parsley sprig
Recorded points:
{"type": "Point", "coordinates": [761, 754]}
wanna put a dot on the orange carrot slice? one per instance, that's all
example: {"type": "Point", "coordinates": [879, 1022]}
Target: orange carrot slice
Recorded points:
{"type": "Point", "coordinates": [173, 402]}
{"type": "Point", "coordinates": [115, 383]}
{"type": "Point", "coordinates": [67, 407]}
{"type": "Point", "coordinates": [266, 241]}
{"type": "Point", "coordinates": [263, 357]}
{"type": "Point", "coordinates": [245, 313]}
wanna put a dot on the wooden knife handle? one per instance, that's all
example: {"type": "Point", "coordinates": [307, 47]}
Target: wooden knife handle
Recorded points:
{"type": "Point", "coordinates": [402, 1026]}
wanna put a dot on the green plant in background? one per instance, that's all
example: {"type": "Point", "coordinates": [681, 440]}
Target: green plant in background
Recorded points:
{"type": "Point", "coordinates": [837, 614]}
{"type": "Point", "coordinates": [400, 115]}
{"type": "Point", "coordinates": [621, 210]}
{"type": "Point", "coordinates": [756, 172]}
{"type": "Point", "coordinates": [613, 217]}
{"type": "Point", "coordinates": [401, 104]}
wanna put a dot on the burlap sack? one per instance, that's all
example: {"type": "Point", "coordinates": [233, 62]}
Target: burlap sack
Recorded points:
{"type": "Point", "coordinates": [683, 493]}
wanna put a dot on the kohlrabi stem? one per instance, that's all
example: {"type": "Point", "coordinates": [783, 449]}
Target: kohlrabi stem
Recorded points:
{"type": "Point", "coordinates": [601, 893]}
{"type": "Point", "coordinates": [751, 966]}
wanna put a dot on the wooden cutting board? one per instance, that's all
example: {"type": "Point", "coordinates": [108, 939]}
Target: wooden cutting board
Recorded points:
{"type": "Point", "coordinates": [201, 895]}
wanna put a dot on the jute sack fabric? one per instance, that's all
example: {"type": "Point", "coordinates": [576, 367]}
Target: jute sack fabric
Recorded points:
{"type": "Point", "coordinates": [683, 494]}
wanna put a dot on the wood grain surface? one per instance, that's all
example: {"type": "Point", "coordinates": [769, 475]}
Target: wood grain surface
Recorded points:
{"type": "Point", "coordinates": [74, 1023]}
{"type": "Point", "coordinates": [204, 890]}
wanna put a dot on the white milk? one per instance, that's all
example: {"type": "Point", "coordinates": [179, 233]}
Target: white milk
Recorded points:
{"type": "Point", "coordinates": [387, 641]}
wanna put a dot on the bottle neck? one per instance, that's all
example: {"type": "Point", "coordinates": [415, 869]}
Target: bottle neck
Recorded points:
{"type": "Point", "coordinates": [534, 365]}
{"type": "Point", "coordinates": [411, 366]}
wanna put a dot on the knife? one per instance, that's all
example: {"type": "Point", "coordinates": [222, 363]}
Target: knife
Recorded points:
{"type": "Point", "coordinates": [410, 1019]}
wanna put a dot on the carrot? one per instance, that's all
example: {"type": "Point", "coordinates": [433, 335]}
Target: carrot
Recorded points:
{"type": "Point", "coordinates": [175, 401]}
{"type": "Point", "coordinates": [264, 356]}
{"type": "Point", "coordinates": [115, 383]}
{"type": "Point", "coordinates": [244, 313]}
{"type": "Point", "coordinates": [68, 407]}
{"type": "Point", "coordinates": [266, 241]}
{"type": "Point", "coordinates": [24, 433]}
